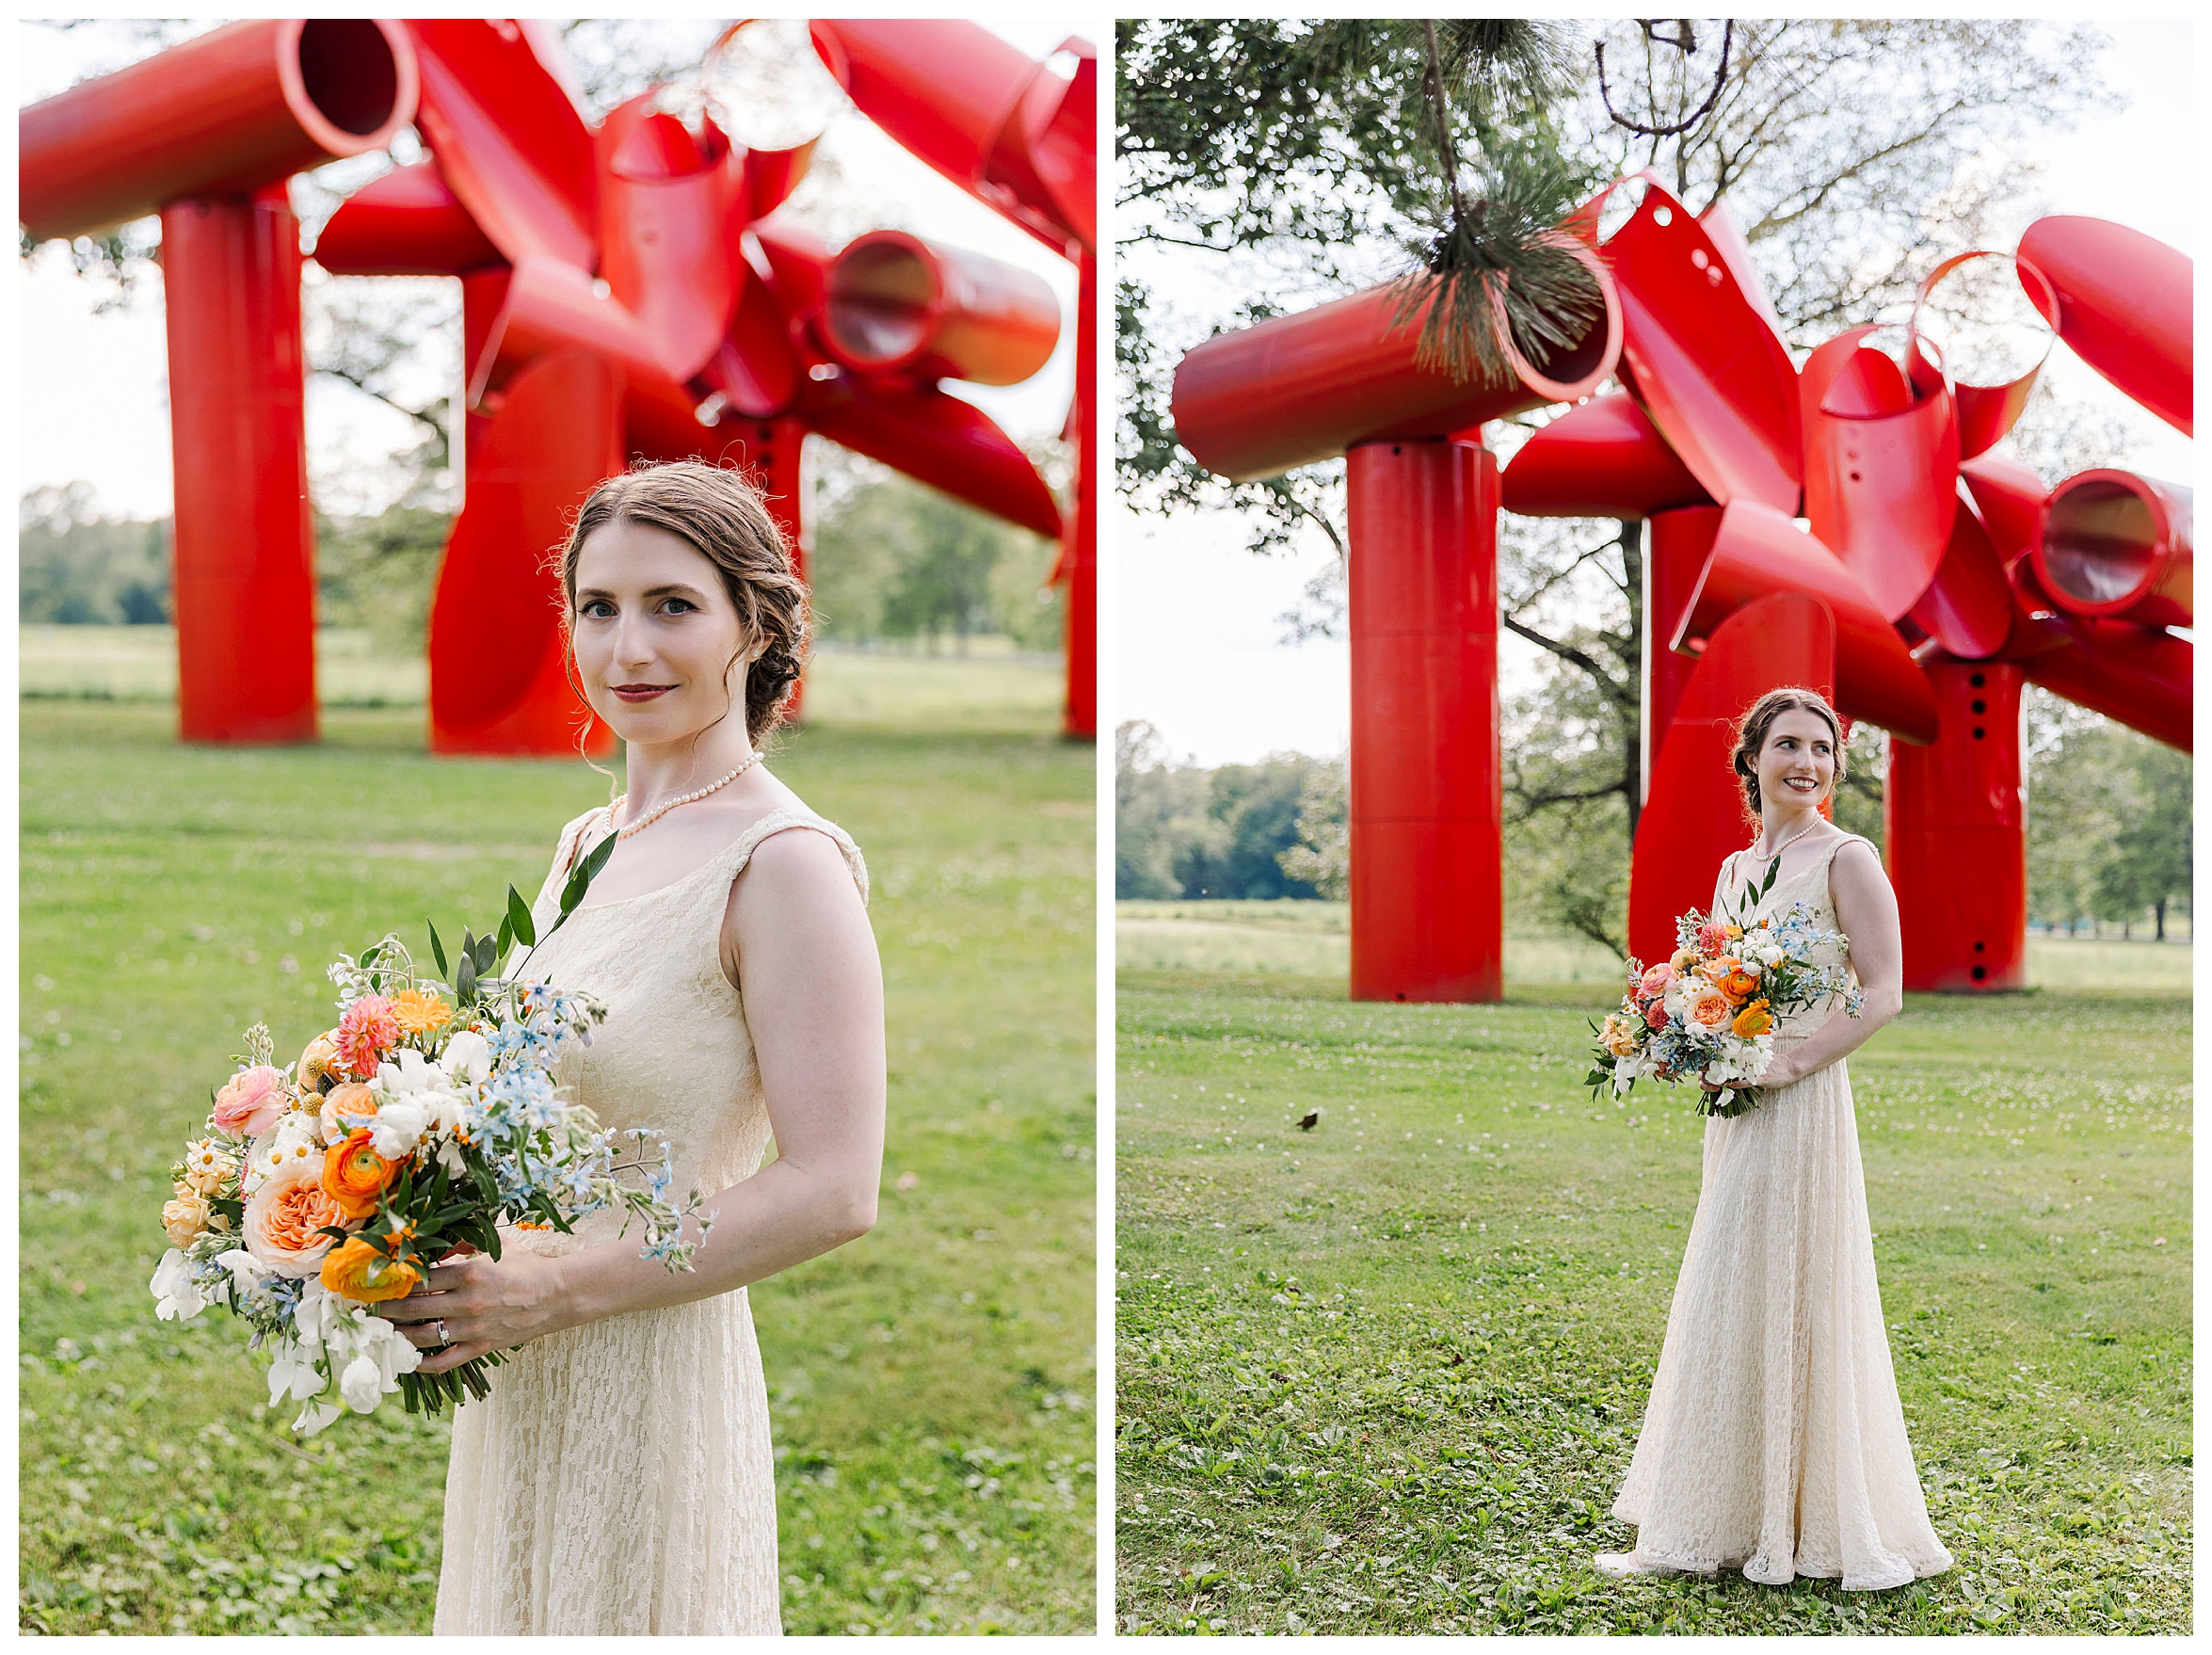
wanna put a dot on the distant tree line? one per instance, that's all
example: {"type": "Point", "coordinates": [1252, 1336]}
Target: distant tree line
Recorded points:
{"type": "Point", "coordinates": [2107, 844]}
{"type": "Point", "coordinates": [892, 560]}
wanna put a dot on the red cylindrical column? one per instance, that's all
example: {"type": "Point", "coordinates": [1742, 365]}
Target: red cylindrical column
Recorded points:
{"type": "Point", "coordinates": [1078, 719]}
{"type": "Point", "coordinates": [1957, 835]}
{"type": "Point", "coordinates": [1674, 557]}
{"type": "Point", "coordinates": [244, 532]}
{"type": "Point", "coordinates": [774, 454]}
{"type": "Point", "coordinates": [1426, 920]}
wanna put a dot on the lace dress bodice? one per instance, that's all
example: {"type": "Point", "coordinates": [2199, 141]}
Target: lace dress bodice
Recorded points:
{"type": "Point", "coordinates": [674, 1053]}
{"type": "Point", "coordinates": [1809, 884]}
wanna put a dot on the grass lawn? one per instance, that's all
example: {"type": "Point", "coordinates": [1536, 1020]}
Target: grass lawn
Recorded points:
{"type": "Point", "coordinates": [1385, 1376]}
{"type": "Point", "coordinates": [932, 1384]}
{"type": "Point", "coordinates": [1314, 940]}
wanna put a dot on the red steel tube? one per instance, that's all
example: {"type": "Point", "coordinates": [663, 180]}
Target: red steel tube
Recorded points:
{"type": "Point", "coordinates": [1674, 561]}
{"type": "Point", "coordinates": [1296, 390]}
{"type": "Point", "coordinates": [244, 531]}
{"type": "Point", "coordinates": [1601, 459]}
{"type": "Point", "coordinates": [1079, 716]}
{"type": "Point", "coordinates": [1758, 552]}
{"type": "Point", "coordinates": [895, 303]}
{"type": "Point", "coordinates": [1955, 833]}
{"type": "Point", "coordinates": [2115, 546]}
{"type": "Point", "coordinates": [2123, 305]}
{"type": "Point", "coordinates": [2140, 676]}
{"type": "Point", "coordinates": [221, 115]}
{"type": "Point", "coordinates": [1696, 813]}
{"type": "Point", "coordinates": [1426, 915]}
{"type": "Point", "coordinates": [405, 223]}
{"type": "Point", "coordinates": [942, 89]}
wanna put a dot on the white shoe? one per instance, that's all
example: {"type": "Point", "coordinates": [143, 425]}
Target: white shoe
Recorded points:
{"type": "Point", "coordinates": [1627, 1562]}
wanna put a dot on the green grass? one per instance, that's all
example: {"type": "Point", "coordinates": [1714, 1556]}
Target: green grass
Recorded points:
{"type": "Point", "coordinates": [1385, 1376]}
{"type": "Point", "coordinates": [932, 1384]}
{"type": "Point", "coordinates": [1314, 940]}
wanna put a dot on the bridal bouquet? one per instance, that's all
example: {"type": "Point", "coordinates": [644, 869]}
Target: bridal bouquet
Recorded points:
{"type": "Point", "coordinates": [418, 1125]}
{"type": "Point", "coordinates": [1711, 1009]}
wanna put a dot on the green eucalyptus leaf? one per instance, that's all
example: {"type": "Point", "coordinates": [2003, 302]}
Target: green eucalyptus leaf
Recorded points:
{"type": "Point", "coordinates": [437, 951]}
{"type": "Point", "coordinates": [507, 932]}
{"type": "Point", "coordinates": [519, 918]}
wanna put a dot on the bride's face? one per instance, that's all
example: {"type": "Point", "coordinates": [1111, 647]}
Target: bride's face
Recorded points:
{"type": "Point", "coordinates": [1797, 766]}
{"type": "Point", "coordinates": [655, 633]}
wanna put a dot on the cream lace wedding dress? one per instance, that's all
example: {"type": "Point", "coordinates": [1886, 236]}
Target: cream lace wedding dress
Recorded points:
{"type": "Point", "coordinates": [1773, 1440]}
{"type": "Point", "coordinates": [619, 1477]}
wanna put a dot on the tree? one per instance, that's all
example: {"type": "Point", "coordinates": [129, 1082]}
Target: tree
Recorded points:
{"type": "Point", "coordinates": [1322, 856]}
{"type": "Point", "coordinates": [2148, 862]}
{"type": "Point", "coordinates": [77, 567]}
{"type": "Point", "coordinates": [895, 559]}
{"type": "Point", "coordinates": [1851, 153]}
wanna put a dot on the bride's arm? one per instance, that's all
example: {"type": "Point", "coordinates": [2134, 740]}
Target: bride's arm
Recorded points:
{"type": "Point", "coordinates": [1865, 907]}
{"type": "Point", "coordinates": [813, 1001]}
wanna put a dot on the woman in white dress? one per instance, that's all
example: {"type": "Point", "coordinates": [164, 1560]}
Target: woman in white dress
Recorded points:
{"type": "Point", "coordinates": [1773, 1441]}
{"type": "Point", "coordinates": [620, 1478]}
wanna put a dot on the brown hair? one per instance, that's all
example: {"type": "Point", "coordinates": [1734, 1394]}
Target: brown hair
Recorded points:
{"type": "Point", "coordinates": [720, 514]}
{"type": "Point", "coordinates": [1750, 734]}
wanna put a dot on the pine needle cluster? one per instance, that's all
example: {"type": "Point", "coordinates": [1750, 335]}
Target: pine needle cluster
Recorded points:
{"type": "Point", "coordinates": [1488, 262]}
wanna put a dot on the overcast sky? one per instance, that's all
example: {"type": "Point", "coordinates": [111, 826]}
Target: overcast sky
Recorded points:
{"type": "Point", "coordinates": [1198, 652]}
{"type": "Point", "coordinates": [93, 388]}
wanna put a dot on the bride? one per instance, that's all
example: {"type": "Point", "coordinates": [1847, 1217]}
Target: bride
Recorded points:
{"type": "Point", "coordinates": [620, 1478]}
{"type": "Point", "coordinates": [1773, 1441]}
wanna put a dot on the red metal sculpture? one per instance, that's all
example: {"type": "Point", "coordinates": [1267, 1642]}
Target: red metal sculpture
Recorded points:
{"type": "Point", "coordinates": [627, 291]}
{"type": "Point", "coordinates": [1930, 579]}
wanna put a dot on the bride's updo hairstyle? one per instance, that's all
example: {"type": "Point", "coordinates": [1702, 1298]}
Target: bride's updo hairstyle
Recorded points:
{"type": "Point", "coordinates": [1750, 734]}
{"type": "Point", "coordinates": [714, 510]}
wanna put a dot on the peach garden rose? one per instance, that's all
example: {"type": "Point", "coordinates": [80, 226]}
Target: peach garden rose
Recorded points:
{"type": "Point", "coordinates": [283, 1216]}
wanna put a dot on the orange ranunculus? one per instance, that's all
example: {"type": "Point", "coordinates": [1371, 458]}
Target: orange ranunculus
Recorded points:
{"type": "Point", "coordinates": [418, 1013]}
{"type": "Point", "coordinates": [1754, 1020]}
{"type": "Point", "coordinates": [354, 1175]}
{"type": "Point", "coordinates": [1738, 983]}
{"type": "Point", "coordinates": [362, 1270]}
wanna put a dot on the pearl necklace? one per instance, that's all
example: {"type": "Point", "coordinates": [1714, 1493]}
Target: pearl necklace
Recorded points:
{"type": "Point", "coordinates": [659, 810]}
{"type": "Point", "coordinates": [1777, 851]}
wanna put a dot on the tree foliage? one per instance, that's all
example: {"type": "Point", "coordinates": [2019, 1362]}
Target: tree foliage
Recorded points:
{"type": "Point", "coordinates": [894, 560]}
{"type": "Point", "coordinates": [1183, 831]}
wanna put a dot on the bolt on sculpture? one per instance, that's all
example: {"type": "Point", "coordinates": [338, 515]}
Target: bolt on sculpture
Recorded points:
{"type": "Point", "coordinates": [627, 291]}
{"type": "Point", "coordinates": [1930, 580]}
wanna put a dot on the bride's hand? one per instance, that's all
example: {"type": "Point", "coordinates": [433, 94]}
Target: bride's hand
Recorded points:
{"type": "Point", "coordinates": [484, 1304]}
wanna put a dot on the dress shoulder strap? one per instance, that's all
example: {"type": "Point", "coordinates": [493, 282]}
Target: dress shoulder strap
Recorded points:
{"type": "Point", "coordinates": [570, 845]}
{"type": "Point", "coordinates": [741, 849]}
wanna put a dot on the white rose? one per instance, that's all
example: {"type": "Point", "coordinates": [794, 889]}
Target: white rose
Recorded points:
{"type": "Point", "coordinates": [399, 1126]}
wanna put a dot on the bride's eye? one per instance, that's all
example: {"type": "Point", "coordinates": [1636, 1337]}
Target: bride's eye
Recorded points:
{"type": "Point", "coordinates": [597, 609]}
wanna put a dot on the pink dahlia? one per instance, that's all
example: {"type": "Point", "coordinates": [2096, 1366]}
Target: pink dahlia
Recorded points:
{"type": "Point", "coordinates": [369, 1029]}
